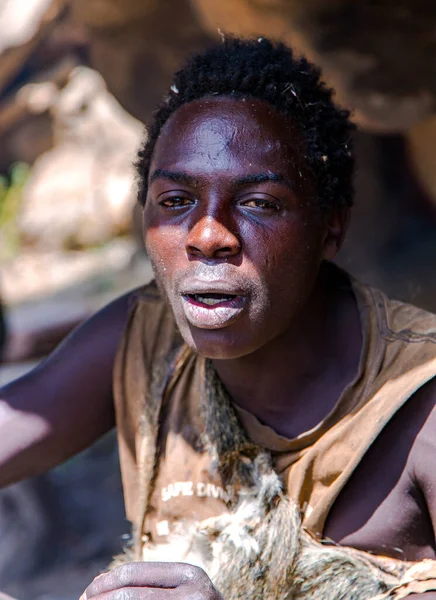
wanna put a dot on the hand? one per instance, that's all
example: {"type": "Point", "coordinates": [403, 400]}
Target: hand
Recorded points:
{"type": "Point", "coordinates": [157, 580]}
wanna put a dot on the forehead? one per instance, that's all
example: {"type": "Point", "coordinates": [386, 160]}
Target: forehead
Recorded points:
{"type": "Point", "coordinates": [228, 134]}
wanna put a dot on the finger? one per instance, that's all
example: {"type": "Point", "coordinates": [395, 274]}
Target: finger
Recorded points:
{"type": "Point", "coordinates": [144, 574]}
{"type": "Point", "coordinates": [83, 596]}
{"type": "Point", "coordinates": [136, 593]}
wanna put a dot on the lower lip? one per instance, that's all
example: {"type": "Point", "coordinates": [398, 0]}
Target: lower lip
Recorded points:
{"type": "Point", "coordinates": [215, 316]}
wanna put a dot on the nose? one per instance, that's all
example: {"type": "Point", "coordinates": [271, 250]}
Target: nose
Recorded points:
{"type": "Point", "coordinates": [209, 238]}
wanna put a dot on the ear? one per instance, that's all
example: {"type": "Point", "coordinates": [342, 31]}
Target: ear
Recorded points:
{"type": "Point", "coordinates": [337, 221]}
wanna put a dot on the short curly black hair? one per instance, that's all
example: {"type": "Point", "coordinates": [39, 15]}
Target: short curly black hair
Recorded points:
{"type": "Point", "coordinates": [259, 68]}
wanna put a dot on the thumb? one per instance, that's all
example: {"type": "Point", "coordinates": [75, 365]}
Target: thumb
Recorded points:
{"type": "Point", "coordinates": [84, 596]}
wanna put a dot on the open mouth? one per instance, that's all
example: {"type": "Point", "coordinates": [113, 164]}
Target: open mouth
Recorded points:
{"type": "Point", "coordinates": [212, 310]}
{"type": "Point", "coordinates": [210, 299]}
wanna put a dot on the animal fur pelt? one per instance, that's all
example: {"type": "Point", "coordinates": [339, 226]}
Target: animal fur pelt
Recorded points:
{"type": "Point", "coordinates": [258, 550]}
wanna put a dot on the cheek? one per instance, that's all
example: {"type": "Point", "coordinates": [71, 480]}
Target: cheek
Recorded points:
{"type": "Point", "coordinates": [163, 244]}
{"type": "Point", "coordinates": [158, 244]}
{"type": "Point", "coordinates": [293, 249]}
{"type": "Point", "coordinates": [289, 264]}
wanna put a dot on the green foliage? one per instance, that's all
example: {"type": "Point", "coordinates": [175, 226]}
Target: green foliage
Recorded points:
{"type": "Point", "coordinates": [11, 193]}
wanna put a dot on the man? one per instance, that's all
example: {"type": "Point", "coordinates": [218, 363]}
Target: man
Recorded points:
{"type": "Point", "coordinates": [245, 180]}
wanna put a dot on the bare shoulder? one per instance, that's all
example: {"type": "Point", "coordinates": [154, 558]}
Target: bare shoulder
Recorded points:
{"type": "Point", "coordinates": [98, 337]}
{"type": "Point", "coordinates": [83, 363]}
{"type": "Point", "coordinates": [65, 403]}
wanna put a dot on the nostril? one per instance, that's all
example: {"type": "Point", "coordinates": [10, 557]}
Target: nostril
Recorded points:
{"type": "Point", "coordinates": [213, 252]}
{"type": "Point", "coordinates": [210, 238]}
{"type": "Point", "coordinates": [194, 251]}
{"type": "Point", "coordinates": [224, 251]}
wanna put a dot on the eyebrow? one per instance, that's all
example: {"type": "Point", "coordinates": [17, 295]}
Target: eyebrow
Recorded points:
{"type": "Point", "coordinates": [263, 178]}
{"type": "Point", "coordinates": [177, 176]}
{"type": "Point", "coordinates": [181, 177]}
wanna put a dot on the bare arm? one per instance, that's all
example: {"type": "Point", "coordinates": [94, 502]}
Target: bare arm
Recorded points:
{"type": "Point", "coordinates": [64, 404]}
{"type": "Point", "coordinates": [424, 455]}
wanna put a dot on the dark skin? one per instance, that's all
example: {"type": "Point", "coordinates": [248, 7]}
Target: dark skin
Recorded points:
{"type": "Point", "coordinates": [231, 203]}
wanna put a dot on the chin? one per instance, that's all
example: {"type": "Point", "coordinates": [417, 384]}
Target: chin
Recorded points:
{"type": "Point", "coordinates": [217, 344]}
{"type": "Point", "coordinates": [219, 353]}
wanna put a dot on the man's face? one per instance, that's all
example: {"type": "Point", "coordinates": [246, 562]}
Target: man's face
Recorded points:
{"type": "Point", "coordinates": [231, 224]}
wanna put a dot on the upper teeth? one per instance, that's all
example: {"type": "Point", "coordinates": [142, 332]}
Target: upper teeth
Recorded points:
{"type": "Point", "coordinates": [210, 301]}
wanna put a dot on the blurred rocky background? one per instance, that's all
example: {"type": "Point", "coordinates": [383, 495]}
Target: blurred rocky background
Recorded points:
{"type": "Point", "coordinates": [78, 78]}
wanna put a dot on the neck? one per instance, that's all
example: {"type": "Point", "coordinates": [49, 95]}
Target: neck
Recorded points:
{"type": "Point", "coordinates": [293, 382]}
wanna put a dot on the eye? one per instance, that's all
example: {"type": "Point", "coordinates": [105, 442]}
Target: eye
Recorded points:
{"type": "Point", "coordinates": [176, 202]}
{"type": "Point", "coordinates": [260, 204]}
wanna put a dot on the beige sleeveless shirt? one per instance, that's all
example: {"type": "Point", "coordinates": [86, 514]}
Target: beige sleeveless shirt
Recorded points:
{"type": "Point", "coordinates": [398, 357]}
